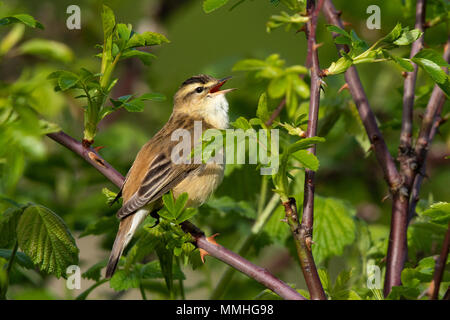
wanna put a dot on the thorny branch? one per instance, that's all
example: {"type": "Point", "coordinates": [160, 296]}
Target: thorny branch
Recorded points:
{"type": "Point", "coordinates": [440, 267]}
{"type": "Point", "coordinates": [215, 250]}
{"type": "Point", "coordinates": [303, 232]}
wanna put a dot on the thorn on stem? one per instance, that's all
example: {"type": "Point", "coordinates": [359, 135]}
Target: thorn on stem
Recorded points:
{"type": "Point", "coordinates": [404, 74]}
{"type": "Point", "coordinates": [95, 158]}
{"type": "Point", "coordinates": [346, 23]}
{"type": "Point", "coordinates": [97, 149]}
{"type": "Point", "coordinates": [203, 252]}
{"type": "Point", "coordinates": [344, 87]}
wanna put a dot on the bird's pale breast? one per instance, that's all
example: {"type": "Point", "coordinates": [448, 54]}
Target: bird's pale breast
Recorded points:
{"type": "Point", "coordinates": [201, 184]}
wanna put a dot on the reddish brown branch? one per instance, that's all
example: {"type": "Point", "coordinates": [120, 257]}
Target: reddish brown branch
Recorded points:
{"type": "Point", "coordinates": [440, 267]}
{"type": "Point", "coordinates": [405, 151]}
{"type": "Point", "coordinates": [302, 241]}
{"type": "Point", "coordinates": [313, 114]}
{"type": "Point", "coordinates": [219, 252]}
{"type": "Point", "coordinates": [397, 239]}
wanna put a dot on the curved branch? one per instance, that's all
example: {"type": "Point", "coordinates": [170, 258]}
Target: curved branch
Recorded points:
{"type": "Point", "coordinates": [219, 252]}
{"type": "Point", "coordinates": [440, 267]}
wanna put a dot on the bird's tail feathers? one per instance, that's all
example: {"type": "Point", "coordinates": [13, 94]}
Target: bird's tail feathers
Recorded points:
{"type": "Point", "coordinates": [127, 228]}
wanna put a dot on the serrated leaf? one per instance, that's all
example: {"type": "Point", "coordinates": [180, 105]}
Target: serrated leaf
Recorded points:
{"type": "Point", "coordinates": [241, 123]}
{"type": "Point", "coordinates": [45, 238]}
{"type": "Point", "coordinates": [334, 227]}
{"type": "Point", "coordinates": [94, 272]}
{"type": "Point", "coordinates": [408, 37]}
{"type": "Point", "coordinates": [146, 39]}
{"type": "Point", "coordinates": [307, 159]}
{"type": "Point", "coordinates": [125, 279]}
{"type": "Point", "coordinates": [8, 224]}
{"type": "Point", "coordinates": [438, 213]}
{"type": "Point", "coordinates": [67, 80]}
{"type": "Point", "coordinates": [394, 34]}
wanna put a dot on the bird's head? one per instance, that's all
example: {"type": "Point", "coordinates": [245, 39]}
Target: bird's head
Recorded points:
{"type": "Point", "coordinates": [201, 95]}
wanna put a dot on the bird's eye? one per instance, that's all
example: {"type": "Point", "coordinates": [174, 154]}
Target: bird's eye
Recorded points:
{"type": "Point", "coordinates": [199, 89]}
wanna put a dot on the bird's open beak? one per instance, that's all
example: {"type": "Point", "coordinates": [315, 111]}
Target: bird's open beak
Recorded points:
{"type": "Point", "coordinates": [216, 88]}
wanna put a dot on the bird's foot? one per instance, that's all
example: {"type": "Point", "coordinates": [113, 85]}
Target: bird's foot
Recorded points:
{"type": "Point", "coordinates": [203, 252]}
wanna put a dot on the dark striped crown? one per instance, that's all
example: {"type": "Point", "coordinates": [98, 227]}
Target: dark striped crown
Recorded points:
{"type": "Point", "coordinates": [201, 78]}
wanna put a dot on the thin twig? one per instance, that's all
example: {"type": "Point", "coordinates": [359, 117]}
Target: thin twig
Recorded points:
{"type": "Point", "coordinates": [276, 112]}
{"type": "Point", "coordinates": [219, 252]}
{"type": "Point", "coordinates": [313, 114]}
{"type": "Point", "coordinates": [440, 267]}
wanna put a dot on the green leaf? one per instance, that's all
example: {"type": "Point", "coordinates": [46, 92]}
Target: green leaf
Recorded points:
{"type": "Point", "coordinates": [408, 293]}
{"type": "Point", "coordinates": [334, 227]}
{"type": "Point", "coordinates": [108, 21]}
{"type": "Point", "coordinates": [211, 5]}
{"type": "Point", "coordinates": [8, 224]}
{"type": "Point", "coordinates": [45, 238]}
{"type": "Point", "coordinates": [336, 29]}
{"type": "Point", "coordinates": [144, 56]}
{"type": "Point", "coordinates": [263, 112]}
{"type": "Point", "coordinates": [435, 72]}
{"type": "Point", "coordinates": [307, 159]}
{"type": "Point", "coordinates": [408, 37]}
{"type": "Point", "coordinates": [101, 226]}
{"type": "Point", "coordinates": [180, 203]}
{"type": "Point", "coordinates": [47, 49]}
{"type": "Point", "coordinates": [277, 87]}
{"type": "Point", "coordinates": [300, 87]}
{"type": "Point", "coordinates": [146, 39]}
{"type": "Point", "coordinates": [438, 213]}
{"type": "Point", "coordinates": [241, 123]}
{"type": "Point", "coordinates": [169, 203]}
{"type": "Point", "coordinates": [294, 131]}
{"type": "Point", "coordinates": [153, 96]}
{"type": "Point", "coordinates": [94, 272]}
{"type": "Point", "coordinates": [432, 55]}
{"type": "Point", "coordinates": [26, 19]}
{"type": "Point", "coordinates": [304, 144]}
{"type": "Point", "coordinates": [186, 214]}
{"type": "Point", "coordinates": [405, 64]}
{"type": "Point", "coordinates": [67, 80]}
{"type": "Point", "coordinates": [394, 34]}
{"type": "Point", "coordinates": [20, 258]}
{"type": "Point", "coordinates": [125, 280]}
{"type": "Point", "coordinates": [135, 105]}
{"type": "Point", "coordinates": [340, 66]}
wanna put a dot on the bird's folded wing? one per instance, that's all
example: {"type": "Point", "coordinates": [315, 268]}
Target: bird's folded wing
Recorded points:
{"type": "Point", "coordinates": [162, 176]}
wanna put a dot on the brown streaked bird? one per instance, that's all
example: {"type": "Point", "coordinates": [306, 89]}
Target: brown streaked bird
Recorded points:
{"type": "Point", "coordinates": [153, 172]}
